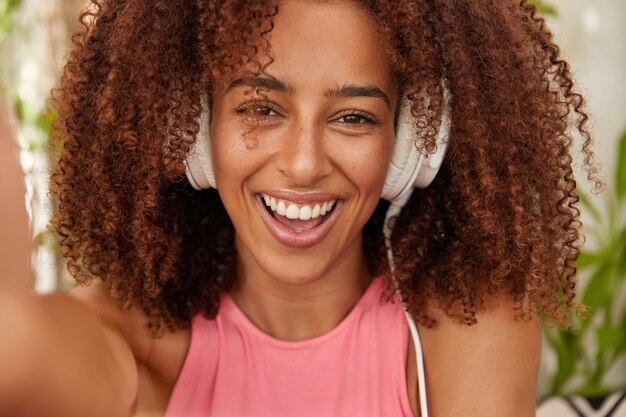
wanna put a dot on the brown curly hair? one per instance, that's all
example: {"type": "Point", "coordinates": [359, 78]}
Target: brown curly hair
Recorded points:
{"type": "Point", "coordinates": [500, 217]}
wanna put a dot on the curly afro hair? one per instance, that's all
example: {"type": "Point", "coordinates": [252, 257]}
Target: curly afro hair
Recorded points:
{"type": "Point", "coordinates": [500, 218]}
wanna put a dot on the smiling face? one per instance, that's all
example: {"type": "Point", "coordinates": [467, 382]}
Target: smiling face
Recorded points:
{"type": "Point", "coordinates": [300, 163]}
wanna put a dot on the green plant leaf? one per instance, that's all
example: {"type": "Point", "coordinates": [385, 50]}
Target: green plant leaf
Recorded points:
{"type": "Point", "coordinates": [620, 173]}
{"type": "Point", "coordinates": [592, 390]}
{"type": "Point", "coordinates": [26, 115]}
{"type": "Point", "coordinates": [619, 257]}
{"type": "Point", "coordinates": [608, 338]}
{"type": "Point", "coordinates": [19, 108]}
{"type": "Point", "coordinates": [611, 345]}
{"type": "Point", "coordinates": [544, 7]}
{"type": "Point", "coordinates": [565, 346]}
{"type": "Point", "coordinates": [44, 121]}
{"type": "Point", "coordinates": [598, 290]}
{"type": "Point", "coordinates": [7, 10]}
{"type": "Point", "coordinates": [590, 207]}
{"type": "Point", "coordinates": [620, 348]}
{"type": "Point", "coordinates": [588, 259]}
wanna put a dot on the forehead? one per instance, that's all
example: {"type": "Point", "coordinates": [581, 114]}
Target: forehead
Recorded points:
{"type": "Point", "coordinates": [315, 44]}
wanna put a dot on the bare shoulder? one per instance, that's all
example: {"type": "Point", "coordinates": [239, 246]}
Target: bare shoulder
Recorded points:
{"type": "Point", "coordinates": [488, 369]}
{"type": "Point", "coordinates": [161, 357]}
{"type": "Point", "coordinates": [129, 323]}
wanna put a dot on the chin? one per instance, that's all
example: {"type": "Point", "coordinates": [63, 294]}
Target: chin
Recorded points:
{"type": "Point", "coordinates": [295, 272]}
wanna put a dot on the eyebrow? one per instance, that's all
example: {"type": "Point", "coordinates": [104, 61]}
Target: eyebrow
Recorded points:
{"type": "Point", "coordinates": [346, 90]}
{"type": "Point", "coordinates": [269, 83]}
{"type": "Point", "coordinates": [352, 90]}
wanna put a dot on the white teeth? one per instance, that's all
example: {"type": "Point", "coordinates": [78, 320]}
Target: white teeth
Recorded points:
{"type": "Point", "coordinates": [316, 211]}
{"type": "Point", "coordinates": [305, 213]}
{"type": "Point", "coordinates": [281, 209]}
{"type": "Point", "coordinates": [292, 211]}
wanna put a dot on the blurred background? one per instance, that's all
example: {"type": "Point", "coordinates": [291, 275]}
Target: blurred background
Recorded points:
{"type": "Point", "coordinates": [590, 361]}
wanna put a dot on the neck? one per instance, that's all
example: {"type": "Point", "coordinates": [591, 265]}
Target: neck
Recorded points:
{"type": "Point", "coordinates": [289, 311]}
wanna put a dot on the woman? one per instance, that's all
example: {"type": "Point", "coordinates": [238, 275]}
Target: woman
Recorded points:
{"type": "Point", "coordinates": [271, 293]}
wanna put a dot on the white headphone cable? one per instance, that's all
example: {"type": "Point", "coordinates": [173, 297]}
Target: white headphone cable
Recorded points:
{"type": "Point", "coordinates": [394, 211]}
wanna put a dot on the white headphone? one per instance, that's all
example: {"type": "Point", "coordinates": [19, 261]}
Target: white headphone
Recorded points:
{"type": "Point", "coordinates": [409, 167]}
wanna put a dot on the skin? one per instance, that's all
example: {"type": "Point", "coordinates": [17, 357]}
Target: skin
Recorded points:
{"type": "Point", "coordinates": [303, 142]}
{"type": "Point", "coordinates": [307, 140]}
{"type": "Point", "coordinates": [16, 245]}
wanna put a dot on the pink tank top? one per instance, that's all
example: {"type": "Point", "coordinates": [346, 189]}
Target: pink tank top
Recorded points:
{"type": "Point", "coordinates": [233, 369]}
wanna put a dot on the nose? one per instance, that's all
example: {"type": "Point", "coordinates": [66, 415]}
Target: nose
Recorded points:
{"type": "Point", "coordinates": [303, 156]}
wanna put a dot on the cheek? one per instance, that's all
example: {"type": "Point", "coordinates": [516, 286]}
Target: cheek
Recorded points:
{"type": "Point", "coordinates": [235, 155]}
{"type": "Point", "coordinates": [366, 163]}
{"type": "Point", "coordinates": [233, 150]}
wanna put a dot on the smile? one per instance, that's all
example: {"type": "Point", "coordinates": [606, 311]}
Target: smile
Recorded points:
{"type": "Point", "coordinates": [294, 211]}
{"type": "Point", "coordinates": [295, 224]}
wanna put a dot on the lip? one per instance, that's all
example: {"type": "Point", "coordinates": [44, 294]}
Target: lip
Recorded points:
{"type": "Point", "coordinates": [298, 198]}
{"type": "Point", "coordinates": [298, 240]}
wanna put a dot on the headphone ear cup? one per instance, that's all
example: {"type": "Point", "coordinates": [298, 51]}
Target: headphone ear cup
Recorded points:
{"type": "Point", "coordinates": [409, 167]}
{"type": "Point", "coordinates": [405, 159]}
{"type": "Point", "coordinates": [199, 165]}
{"type": "Point", "coordinates": [432, 162]}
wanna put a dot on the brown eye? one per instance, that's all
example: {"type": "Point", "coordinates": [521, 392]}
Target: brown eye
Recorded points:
{"type": "Point", "coordinates": [357, 119]}
{"type": "Point", "coordinates": [258, 110]}
{"type": "Point", "coordinates": [264, 111]}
